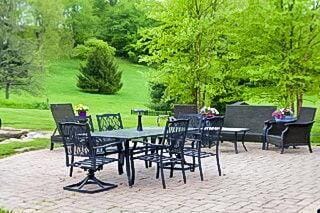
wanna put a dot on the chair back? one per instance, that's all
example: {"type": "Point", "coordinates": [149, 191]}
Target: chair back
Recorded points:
{"type": "Point", "coordinates": [211, 130]}
{"type": "Point", "coordinates": [108, 122]}
{"type": "Point", "coordinates": [88, 119]}
{"type": "Point", "coordinates": [307, 114]}
{"type": "Point", "coordinates": [194, 119]}
{"type": "Point", "coordinates": [184, 109]}
{"type": "Point", "coordinates": [175, 135]}
{"type": "Point", "coordinates": [252, 117]}
{"type": "Point", "coordinates": [77, 139]}
{"type": "Point", "coordinates": [62, 113]}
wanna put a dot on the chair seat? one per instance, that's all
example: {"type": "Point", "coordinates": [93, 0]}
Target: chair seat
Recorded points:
{"type": "Point", "coordinates": [154, 157]}
{"type": "Point", "coordinates": [274, 139]}
{"type": "Point", "coordinates": [194, 153]}
{"type": "Point", "coordinates": [88, 163]}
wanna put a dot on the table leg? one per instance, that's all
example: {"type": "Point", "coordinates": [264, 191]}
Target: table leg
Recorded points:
{"type": "Point", "coordinates": [235, 143]}
{"type": "Point", "coordinates": [127, 156]}
{"type": "Point", "coordinates": [242, 140]}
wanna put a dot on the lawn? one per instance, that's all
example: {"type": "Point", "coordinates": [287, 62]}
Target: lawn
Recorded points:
{"type": "Point", "coordinates": [60, 87]}
{"type": "Point", "coordinates": [7, 149]}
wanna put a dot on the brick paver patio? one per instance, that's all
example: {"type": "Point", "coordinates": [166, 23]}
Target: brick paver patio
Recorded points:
{"type": "Point", "coordinates": [254, 181]}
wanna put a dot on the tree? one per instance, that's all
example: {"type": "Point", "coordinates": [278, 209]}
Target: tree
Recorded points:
{"type": "Point", "coordinates": [277, 44]}
{"type": "Point", "coordinates": [81, 20]}
{"type": "Point", "coordinates": [100, 72]}
{"type": "Point", "coordinates": [190, 49]}
{"type": "Point", "coordinates": [47, 23]}
{"type": "Point", "coordinates": [120, 22]}
{"type": "Point", "coordinates": [15, 52]}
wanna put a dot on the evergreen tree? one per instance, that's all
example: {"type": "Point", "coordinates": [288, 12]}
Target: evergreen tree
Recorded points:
{"type": "Point", "coordinates": [100, 72]}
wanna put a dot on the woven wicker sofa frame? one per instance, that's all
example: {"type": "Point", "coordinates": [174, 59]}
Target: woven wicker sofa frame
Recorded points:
{"type": "Point", "coordinates": [247, 116]}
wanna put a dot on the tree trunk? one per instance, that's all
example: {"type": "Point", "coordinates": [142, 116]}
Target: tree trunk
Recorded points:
{"type": "Point", "coordinates": [299, 102]}
{"type": "Point", "coordinates": [7, 90]}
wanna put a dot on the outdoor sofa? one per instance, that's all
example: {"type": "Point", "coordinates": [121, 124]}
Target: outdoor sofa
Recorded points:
{"type": "Point", "coordinates": [247, 116]}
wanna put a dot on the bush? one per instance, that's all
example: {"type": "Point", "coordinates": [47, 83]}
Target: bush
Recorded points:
{"type": "Point", "coordinates": [157, 97]}
{"type": "Point", "coordinates": [100, 72]}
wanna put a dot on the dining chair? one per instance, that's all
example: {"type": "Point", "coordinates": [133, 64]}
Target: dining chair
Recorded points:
{"type": "Point", "coordinates": [170, 153]}
{"type": "Point", "coordinates": [78, 144]}
{"type": "Point", "coordinates": [208, 137]}
{"type": "Point", "coordinates": [109, 122]}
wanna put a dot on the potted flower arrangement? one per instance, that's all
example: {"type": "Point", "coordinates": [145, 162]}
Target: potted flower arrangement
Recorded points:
{"type": "Point", "coordinates": [283, 114]}
{"type": "Point", "coordinates": [82, 110]}
{"type": "Point", "coordinates": [209, 111]}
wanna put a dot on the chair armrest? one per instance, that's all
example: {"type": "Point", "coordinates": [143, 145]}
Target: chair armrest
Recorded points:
{"type": "Point", "coordinates": [269, 122]}
{"type": "Point", "coordinates": [299, 124]}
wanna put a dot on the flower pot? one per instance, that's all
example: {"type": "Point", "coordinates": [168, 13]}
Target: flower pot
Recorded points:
{"type": "Point", "coordinates": [82, 114]}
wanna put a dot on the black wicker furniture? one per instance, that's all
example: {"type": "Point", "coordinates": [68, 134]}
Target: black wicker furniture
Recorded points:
{"type": "Point", "coordinates": [170, 152]}
{"type": "Point", "coordinates": [281, 133]}
{"type": "Point", "coordinates": [208, 136]}
{"type": "Point", "coordinates": [79, 144]}
{"type": "Point", "coordinates": [247, 116]}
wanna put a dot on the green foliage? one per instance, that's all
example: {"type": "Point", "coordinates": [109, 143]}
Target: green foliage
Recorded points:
{"type": "Point", "coordinates": [100, 72]}
{"type": "Point", "coordinates": [277, 43]}
{"type": "Point", "coordinates": [190, 50]}
{"type": "Point", "coordinates": [81, 20]}
{"type": "Point", "coordinates": [120, 22]}
{"type": "Point", "coordinates": [157, 97]}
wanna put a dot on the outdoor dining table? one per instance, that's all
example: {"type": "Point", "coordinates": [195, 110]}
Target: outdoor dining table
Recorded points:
{"type": "Point", "coordinates": [127, 135]}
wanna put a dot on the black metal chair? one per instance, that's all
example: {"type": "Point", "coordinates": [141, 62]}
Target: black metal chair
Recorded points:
{"type": "Point", "coordinates": [109, 122]}
{"type": "Point", "coordinates": [169, 153]}
{"type": "Point", "coordinates": [208, 137]}
{"type": "Point", "coordinates": [79, 144]}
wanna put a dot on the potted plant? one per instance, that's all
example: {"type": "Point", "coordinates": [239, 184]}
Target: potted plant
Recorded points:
{"type": "Point", "coordinates": [82, 110]}
{"type": "Point", "coordinates": [283, 114]}
{"type": "Point", "coordinates": [209, 111]}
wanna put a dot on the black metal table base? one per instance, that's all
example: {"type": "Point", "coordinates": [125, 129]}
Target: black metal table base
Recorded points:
{"type": "Point", "coordinates": [90, 179]}
{"type": "Point", "coordinates": [236, 141]}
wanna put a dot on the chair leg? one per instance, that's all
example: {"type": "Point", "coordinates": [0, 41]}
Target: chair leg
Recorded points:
{"type": "Point", "coordinates": [282, 149]}
{"type": "Point", "coordinates": [218, 160]}
{"type": "Point", "coordinates": [90, 179]}
{"type": "Point", "coordinates": [51, 145]}
{"type": "Point", "coordinates": [71, 171]}
{"type": "Point", "coordinates": [158, 171]}
{"type": "Point", "coordinates": [200, 167]}
{"type": "Point", "coordinates": [183, 172]}
{"type": "Point", "coordinates": [310, 149]}
{"type": "Point", "coordinates": [162, 176]}
{"type": "Point", "coordinates": [171, 169]}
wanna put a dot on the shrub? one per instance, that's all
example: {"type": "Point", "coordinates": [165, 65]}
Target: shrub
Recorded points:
{"type": "Point", "coordinates": [100, 72]}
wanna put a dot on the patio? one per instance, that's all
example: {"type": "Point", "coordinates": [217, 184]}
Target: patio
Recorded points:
{"type": "Point", "coordinates": [253, 181]}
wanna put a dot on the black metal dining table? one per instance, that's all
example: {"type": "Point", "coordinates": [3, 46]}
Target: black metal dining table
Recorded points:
{"type": "Point", "coordinates": [127, 135]}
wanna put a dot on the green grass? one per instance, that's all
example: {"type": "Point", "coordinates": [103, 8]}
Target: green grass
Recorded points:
{"type": "Point", "coordinates": [11, 148]}
{"type": "Point", "coordinates": [60, 87]}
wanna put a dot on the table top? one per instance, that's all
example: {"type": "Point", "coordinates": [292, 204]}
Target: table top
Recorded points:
{"type": "Point", "coordinates": [231, 129]}
{"type": "Point", "coordinates": [130, 133]}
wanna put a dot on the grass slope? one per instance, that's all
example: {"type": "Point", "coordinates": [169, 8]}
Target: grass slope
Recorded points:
{"type": "Point", "coordinates": [60, 87]}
